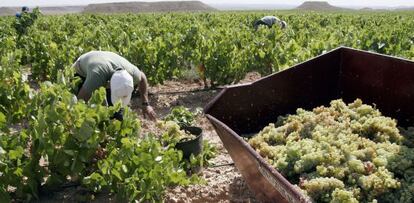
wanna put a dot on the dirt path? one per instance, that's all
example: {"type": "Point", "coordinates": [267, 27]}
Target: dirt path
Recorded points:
{"type": "Point", "coordinates": [224, 182]}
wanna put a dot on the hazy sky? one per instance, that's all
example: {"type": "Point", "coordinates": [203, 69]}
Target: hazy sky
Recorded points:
{"type": "Point", "coordinates": [391, 3]}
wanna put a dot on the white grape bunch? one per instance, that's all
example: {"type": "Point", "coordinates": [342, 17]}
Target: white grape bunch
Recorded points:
{"type": "Point", "coordinates": [342, 153]}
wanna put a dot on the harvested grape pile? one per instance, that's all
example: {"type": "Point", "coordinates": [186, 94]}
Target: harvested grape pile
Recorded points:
{"type": "Point", "coordinates": [342, 153]}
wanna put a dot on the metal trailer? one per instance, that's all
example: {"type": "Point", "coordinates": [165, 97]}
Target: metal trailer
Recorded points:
{"type": "Point", "coordinates": [387, 82]}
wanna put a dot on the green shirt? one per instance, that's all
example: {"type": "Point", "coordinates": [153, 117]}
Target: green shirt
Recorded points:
{"type": "Point", "coordinates": [98, 66]}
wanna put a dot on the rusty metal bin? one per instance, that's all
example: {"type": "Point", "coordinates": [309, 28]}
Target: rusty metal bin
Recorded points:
{"type": "Point", "coordinates": [342, 73]}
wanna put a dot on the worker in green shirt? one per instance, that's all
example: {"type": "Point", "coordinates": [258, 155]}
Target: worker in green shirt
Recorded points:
{"type": "Point", "coordinates": [97, 68]}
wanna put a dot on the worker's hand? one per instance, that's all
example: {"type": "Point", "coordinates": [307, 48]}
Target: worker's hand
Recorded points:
{"type": "Point", "coordinates": [149, 113]}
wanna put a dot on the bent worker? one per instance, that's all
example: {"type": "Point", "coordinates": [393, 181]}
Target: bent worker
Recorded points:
{"type": "Point", "coordinates": [97, 68]}
{"type": "Point", "coordinates": [269, 21]}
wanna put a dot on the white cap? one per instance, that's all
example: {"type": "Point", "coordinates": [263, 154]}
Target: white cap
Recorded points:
{"type": "Point", "coordinates": [122, 86]}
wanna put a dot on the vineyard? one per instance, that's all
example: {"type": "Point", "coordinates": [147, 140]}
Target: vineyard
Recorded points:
{"type": "Point", "coordinates": [48, 138]}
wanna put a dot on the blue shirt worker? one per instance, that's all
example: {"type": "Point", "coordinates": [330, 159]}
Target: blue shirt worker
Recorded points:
{"type": "Point", "coordinates": [25, 9]}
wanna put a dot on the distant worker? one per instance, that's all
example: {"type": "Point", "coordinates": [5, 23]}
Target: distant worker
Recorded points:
{"type": "Point", "coordinates": [269, 21]}
{"type": "Point", "coordinates": [25, 20]}
{"type": "Point", "coordinates": [97, 68]}
{"type": "Point", "coordinates": [25, 9]}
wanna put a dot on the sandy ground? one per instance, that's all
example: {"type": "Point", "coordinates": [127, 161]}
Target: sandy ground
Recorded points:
{"type": "Point", "coordinates": [223, 181]}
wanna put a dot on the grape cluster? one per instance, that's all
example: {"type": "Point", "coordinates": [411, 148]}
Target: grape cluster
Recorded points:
{"type": "Point", "coordinates": [172, 131]}
{"type": "Point", "coordinates": [342, 153]}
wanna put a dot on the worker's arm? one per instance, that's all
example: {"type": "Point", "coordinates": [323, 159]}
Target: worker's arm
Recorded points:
{"type": "Point", "coordinates": [147, 110]}
{"type": "Point", "coordinates": [92, 82]}
{"type": "Point", "coordinates": [83, 94]}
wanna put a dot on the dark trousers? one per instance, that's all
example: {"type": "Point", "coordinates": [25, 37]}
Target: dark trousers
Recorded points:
{"type": "Point", "coordinates": [261, 22]}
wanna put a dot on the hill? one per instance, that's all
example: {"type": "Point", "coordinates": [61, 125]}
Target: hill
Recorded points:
{"type": "Point", "coordinates": [404, 8]}
{"type": "Point", "coordinates": [5, 11]}
{"type": "Point", "coordinates": [251, 6]}
{"type": "Point", "coordinates": [133, 7]}
{"type": "Point", "coordinates": [45, 10]}
{"type": "Point", "coordinates": [366, 9]}
{"type": "Point", "coordinates": [62, 9]}
{"type": "Point", "coordinates": [161, 6]}
{"type": "Point", "coordinates": [318, 6]}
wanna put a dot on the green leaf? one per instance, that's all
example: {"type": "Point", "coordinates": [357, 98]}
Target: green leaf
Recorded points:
{"type": "Point", "coordinates": [262, 54]}
{"type": "Point", "coordinates": [85, 131]}
{"type": "Point", "coordinates": [116, 174]}
{"type": "Point", "coordinates": [2, 120]}
{"type": "Point", "coordinates": [69, 152]}
{"type": "Point", "coordinates": [16, 154]}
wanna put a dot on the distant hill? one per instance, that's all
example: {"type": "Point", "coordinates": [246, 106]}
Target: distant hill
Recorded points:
{"type": "Point", "coordinates": [133, 7]}
{"type": "Point", "coordinates": [45, 10]}
{"type": "Point", "coordinates": [161, 6]}
{"type": "Point", "coordinates": [251, 6]}
{"type": "Point", "coordinates": [366, 9]}
{"type": "Point", "coordinates": [404, 8]}
{"type": "Point", "coordinates": [62, 9]}
{"type": "Point", "coordinates": [375, 9]}
{"type": "Point", "coordinates": [318, 6]}
{"type": "Point", "coordinates": [5, 11]}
